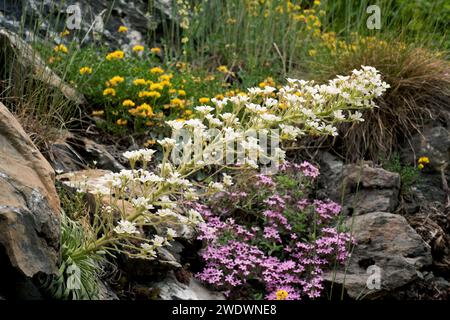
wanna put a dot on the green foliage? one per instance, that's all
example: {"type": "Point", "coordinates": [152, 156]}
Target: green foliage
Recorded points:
{"type": "Point", "coordinates": [78, 276]}
{"type": "Point", "coordinates": [408, 174]}
{"type": "Point", "coordinates": [250, 35]}
{"type": "Point", "coordinates": [419, 21]}
{"type": "Point", "coordinates": [288, 183]}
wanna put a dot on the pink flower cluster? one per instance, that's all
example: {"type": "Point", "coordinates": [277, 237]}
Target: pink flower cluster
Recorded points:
{"type": "Point", "coordinates": [305, 167]}
{"type": "Point", "coordinates": [284, 242]}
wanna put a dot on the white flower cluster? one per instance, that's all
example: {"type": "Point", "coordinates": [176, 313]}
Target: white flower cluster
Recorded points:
{"type": "Point", "coordinates": [126, 227]}
{"type": "Point", "coordinates": [150, 250]}
{"type": "Point", "coordinates": [147, 191]}
{"type": "Point", "coordinates": [298, 108]}
{"type": "Point", "coordinates": [142, 154]}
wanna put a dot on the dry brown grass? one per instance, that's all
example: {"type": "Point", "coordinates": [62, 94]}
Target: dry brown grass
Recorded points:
{"type": "Point", "coordinates": [420, 91]}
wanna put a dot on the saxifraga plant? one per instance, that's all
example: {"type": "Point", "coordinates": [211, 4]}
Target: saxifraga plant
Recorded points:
{"type": "Point", "coordinates": [78, 274]}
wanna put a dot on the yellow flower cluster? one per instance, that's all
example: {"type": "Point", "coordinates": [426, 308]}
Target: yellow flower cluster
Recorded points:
{"type": "Point", "coordinates": [114, 81]}
{"type": "Point", "coordinates": [138, 48]}
{"type": "Point", "coordinates": [85, 70]}
{"type": "Point", "coordinates": [139, 82]}
{"type": "Point", "coordinates": [115, 55]}
{"type": "Point", "coordinates": [276, 9]}
{"type": "Point", "coordinates": [128, 103]}
{"type": "Point", "coordinates": [109, 92]}
{"type": "Point", "coordinates": [422, 162]}
{"type": "Point", "coordinates": [61, 48]}
{"type": "Point", "coordinates": [155, 50]}
{"type": "Point", "coordinates": [144, 110]}
{"type": "Point", "coordinates": [121, 122]}
{"type": "Point", "coordinates": [149, 94]}
{"type": "Point", "coordinates": [223, 69]}
{"type": "Point", "coordinates": [150, 98]}
{"type": "Point", "coordinates": [177, 102]}
{"type": "Point", "coordinates": [156, 70]}
{"type": "Point", "coordinates": [98, 113]}
{"type": "Point", "coordinates": [281, 295]}
{"type": "Point", "coordinates": [157, 91]}
{"type": "Point", "coordinates": [267, 82]}
{"type": "Point", "coordinates": [357, 42]}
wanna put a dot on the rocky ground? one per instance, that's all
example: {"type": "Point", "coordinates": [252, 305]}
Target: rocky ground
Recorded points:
{"type": "Point", "coordinates": [407, 236]}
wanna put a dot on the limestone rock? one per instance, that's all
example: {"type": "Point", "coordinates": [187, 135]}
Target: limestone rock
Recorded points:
{"type": "Point", "coordinates": [105, 292]}
{"type": "Point", "coordinates": [99, 19]}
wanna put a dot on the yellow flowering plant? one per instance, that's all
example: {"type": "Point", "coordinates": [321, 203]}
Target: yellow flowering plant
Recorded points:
{"type": "Point", "coordinates": [133, 90]}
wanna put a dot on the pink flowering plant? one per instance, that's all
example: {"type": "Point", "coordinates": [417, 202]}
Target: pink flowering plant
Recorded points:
{"type": "Point", "coordinates": [267, 237]}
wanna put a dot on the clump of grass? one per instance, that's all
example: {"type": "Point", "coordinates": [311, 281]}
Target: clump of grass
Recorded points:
{"type": "Point", "coordinates": [41, 109]}
{"type": "Point", "coordinates": [420, 87]}
{"type": "Point", "coordinates": [252, 36]}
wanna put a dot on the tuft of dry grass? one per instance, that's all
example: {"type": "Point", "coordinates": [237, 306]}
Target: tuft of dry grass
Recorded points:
{"type": "Point", "coordinates": [420, 92]}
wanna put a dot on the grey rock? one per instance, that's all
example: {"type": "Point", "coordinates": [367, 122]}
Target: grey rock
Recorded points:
{"type": "Point", "coordinates": [73, 153]}
{"type": "Point", "coordinates": [387, 241]}
{"type": "Point", "coordinates": [145, 269]}
{"type": "Point", "coordinates": [370, 178]}
{"type": "Point", "coordinates": [428, 288]}
{"type": "Point", "coordinates": [29, 211]}
{"type": "Point", "coordinates": [428, 189]}
{"type": "Point", "coordinates": [167, 257]}
{"type": "Point", "coordinates": [50, 18]}
{"type": "Point", "coordinates": [105, 292]}
{"type": "Point", "coordinates": [433, 142]}
{"type": "Point", "coordinates": [371, 200]}
{"type": "Point", "coordinates": [362, 187]}
{"type": "Point", "coordinates": [141, 269]}
{"type": "Point", "coordinates": [171, 289]}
